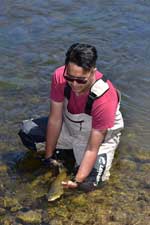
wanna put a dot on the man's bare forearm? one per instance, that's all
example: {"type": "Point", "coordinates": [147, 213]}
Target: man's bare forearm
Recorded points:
{"type": "Point", "coordinates": [90, 156]}
{"type": "Point", "coordinates": [86, 165]}
{"type": "Point", "coordinates": [53, 131]}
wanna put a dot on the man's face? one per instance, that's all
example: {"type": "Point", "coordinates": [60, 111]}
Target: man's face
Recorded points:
{"type": "Point", "coordinates": [79, 80]}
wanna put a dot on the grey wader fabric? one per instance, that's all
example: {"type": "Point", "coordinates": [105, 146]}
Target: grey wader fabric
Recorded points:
{"type": "Point", "coordinates": [74, 135]}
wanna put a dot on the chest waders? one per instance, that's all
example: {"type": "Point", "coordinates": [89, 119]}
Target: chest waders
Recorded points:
{"type": "Point", "coordinates": [75, 133]}
{"type": "Point", "coordinates": [77, 127]}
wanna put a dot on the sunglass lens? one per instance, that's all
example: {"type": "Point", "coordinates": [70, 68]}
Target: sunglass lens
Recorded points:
{"type": "Point", "coordinates": [79, 81]}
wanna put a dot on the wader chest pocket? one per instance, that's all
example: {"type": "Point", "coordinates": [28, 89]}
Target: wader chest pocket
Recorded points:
{"type": "Point", "coordinates": [76, 122]}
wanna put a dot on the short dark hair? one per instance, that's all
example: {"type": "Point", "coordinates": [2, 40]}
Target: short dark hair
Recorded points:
{"type": "Point", "coordinates": [83, 55]}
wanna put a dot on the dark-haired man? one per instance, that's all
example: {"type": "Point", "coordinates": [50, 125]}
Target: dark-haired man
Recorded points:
{"type": "Point", "coordinates": [84, 116]}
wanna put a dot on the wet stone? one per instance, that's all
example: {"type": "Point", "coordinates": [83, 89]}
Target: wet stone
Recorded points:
{"type": "Point", "coordinates": [145, 167]}
{"type": "Point", "coordinates": [81, 217]}
{"type": "Point", "coordinates": [52, 211]}
{"type": "Point", "coordinates": [7, 220]}
{"type": "Point", "coordinates": [119, 216]}
{"type": "Point", "coordinates": [113, 223]}
{"type": "Point", "coordinates": [30, 217]}
{"type": "Point", "coordinates": [2, 211]}
{"type": "Point", "coordinates": [62, 212]}
{"type": "Point", "coordinates": [142, 155]}
{"type": "Point", "coordinates": [16, 208]}
{"type": "Point", "coordinates": [103, 215]}
{"type": "Point", "coordinates": [56, 222]}
{"type": "Point", "coordinates": [41, 179]}
{"type": "Point", "coordinates": [143, 196]}
{"type": "Point", "coordinates": [3, 168]}
{"type": "Point", "coordinates": [127, 164]}
{"type": "Point", "coordinates": [9, 202]}
{"type": "Point", "coordinates": [145, 180]}
{"type": "Point", "coordinates": [80, 200]}
{"type": "Point", "coordinates": [141, 220]}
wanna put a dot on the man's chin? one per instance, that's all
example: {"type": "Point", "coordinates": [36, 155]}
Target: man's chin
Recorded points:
{"type": "Point", "coordinates": [76, 90]}
{"type": "Point", "coordinates": [80, 90]}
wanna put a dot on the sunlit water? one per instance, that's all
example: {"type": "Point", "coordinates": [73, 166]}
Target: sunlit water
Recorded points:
{"type": "Point", "coordinates": [34, 36]}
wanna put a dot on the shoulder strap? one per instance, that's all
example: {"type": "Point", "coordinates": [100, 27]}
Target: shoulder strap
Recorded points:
{"type": "Point", "coordinates": [98, 89]}
{"type": "Point", "coordinates": [67, 91]}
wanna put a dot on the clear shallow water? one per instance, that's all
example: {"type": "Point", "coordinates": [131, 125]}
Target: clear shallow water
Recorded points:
{"type": "Point", "coordinates": [34, 36]}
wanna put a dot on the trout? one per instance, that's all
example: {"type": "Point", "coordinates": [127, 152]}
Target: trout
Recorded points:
{"type": "Point", "coordinates": [56, 189]}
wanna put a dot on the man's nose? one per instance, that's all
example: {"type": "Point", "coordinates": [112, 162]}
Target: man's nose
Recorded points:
{"type": "Point", "coordinates": [74, 82]}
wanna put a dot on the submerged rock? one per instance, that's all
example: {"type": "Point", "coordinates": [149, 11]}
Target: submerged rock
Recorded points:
{"type": "Point", "coordinates": [9, 202]}
{"type": "Point", "coordinates": [62, 212]}
{"type": "Point", "coordinates": [145, 167]}
{"type": "Point", "coordinates": [56, 222]}
{"type": "Point", "coordinates": [30, 217]}
{"type": "Point", "coordinates": [103, 215]}
{"type": "Point", "coordinates": [142, 155]}
{"type": "Point", "coordinates": [16, 208]}
{"type": "Point", "coordinates": [119, 215]}
{"type": "Point", "coordinates": [3, 168]}
{"type": "Point", "coordinates": [2, 211]}
{"type": "Point", "coordinates": [146, 181]}
{"type": "Point", "coordinates": [113, 223]}
{"type": "Point", "coordinates": [81, 217]}
{"type": "Point", "coordinates": [80, 200]}
{"type": "Point", "coordinates": [41, 179]}
{"type": "Point", "coordinates": [126, 164]}
{"type": "Point", "coordinates": [7, 220]}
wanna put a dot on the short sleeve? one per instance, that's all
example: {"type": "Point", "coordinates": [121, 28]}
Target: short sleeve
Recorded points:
{"type": "Point", "coordinates": [104, 110]}
{"type": "Point", "coordinates": [103, 117]}
{"type": "Point", "coordinates": [57, 86]}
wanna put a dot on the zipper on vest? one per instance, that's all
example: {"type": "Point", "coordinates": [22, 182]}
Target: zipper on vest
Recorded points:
{"type": "Point", "coordinates": [80, 122]}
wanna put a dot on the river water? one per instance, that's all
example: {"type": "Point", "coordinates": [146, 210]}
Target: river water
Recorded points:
{"type": "Point", "coordinates": [34, 36]}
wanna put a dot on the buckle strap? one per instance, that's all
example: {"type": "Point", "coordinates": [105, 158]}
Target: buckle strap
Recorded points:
{"type": "Point", "coordinates": [98, 89]}
{"type": "Point", "coordinates": [91, 97]}
{"type": "Point", "coordinates": [67, 91]}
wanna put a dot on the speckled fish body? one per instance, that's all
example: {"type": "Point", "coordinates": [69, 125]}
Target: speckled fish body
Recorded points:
{"type": "Point", "coordinates": [56, 189]}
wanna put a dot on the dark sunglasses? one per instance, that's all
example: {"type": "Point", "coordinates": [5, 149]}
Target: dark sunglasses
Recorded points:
{"type": "Point", "coordinates": [78, 80]}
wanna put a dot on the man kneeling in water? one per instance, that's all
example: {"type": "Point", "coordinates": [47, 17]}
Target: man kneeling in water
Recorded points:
{"type": "Point", "coordinates": [84, 116]}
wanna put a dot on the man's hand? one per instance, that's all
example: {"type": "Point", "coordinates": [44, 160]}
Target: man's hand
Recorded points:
{"type": "Point", "coordinates": [69, 184]}
{"type": "Point", "coordinates": [49, 162]}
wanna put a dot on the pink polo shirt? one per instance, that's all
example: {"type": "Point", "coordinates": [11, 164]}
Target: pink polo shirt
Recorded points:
{"type": "Point", "coordinates": [103, 109]}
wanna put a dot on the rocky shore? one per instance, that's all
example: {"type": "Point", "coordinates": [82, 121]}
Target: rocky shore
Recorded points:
{"type": "Point", "coordinates": [123, 200]}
